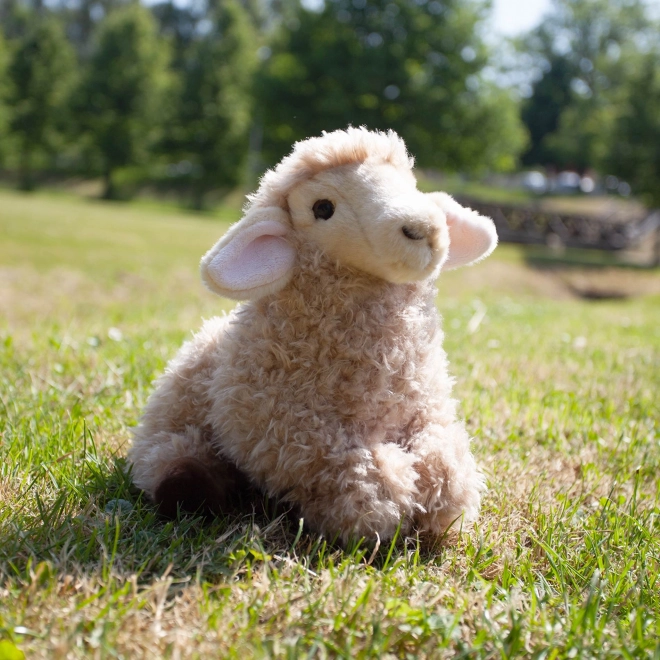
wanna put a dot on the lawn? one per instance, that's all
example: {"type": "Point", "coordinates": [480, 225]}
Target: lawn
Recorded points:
{"type": "Point", "coordinates": [562, 396]}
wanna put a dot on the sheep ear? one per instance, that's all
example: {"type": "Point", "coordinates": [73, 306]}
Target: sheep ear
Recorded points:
{"type": "Point", "coordinates": [472, 237]}
{"type": "Point", "coordinates": [253, 259]}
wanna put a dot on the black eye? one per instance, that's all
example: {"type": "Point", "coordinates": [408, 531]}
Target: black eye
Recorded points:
{"type": "Point", "coordinates": [412, 234]}
{"type": "Point", "coordinates": [323, 209]}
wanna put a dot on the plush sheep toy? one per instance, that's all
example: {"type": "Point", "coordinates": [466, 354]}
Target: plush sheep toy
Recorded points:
{"type": "Point", "coordinates": [328, 388]}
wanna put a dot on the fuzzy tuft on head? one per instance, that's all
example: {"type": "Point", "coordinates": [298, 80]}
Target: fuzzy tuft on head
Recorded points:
{"type": "Point", "coordinates": [325, 152]}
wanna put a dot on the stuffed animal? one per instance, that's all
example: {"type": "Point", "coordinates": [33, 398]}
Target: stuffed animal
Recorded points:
{"type": "Point", "coordinates": [328, 387]}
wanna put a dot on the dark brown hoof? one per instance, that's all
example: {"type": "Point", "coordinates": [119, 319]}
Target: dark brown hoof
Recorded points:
{"type": "Point", "coordinates": [191, 486]}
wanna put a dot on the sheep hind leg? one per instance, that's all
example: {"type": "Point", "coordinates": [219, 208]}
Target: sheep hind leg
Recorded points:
{"type": "Point", "coordinates": [193, 487]}
{"type": "Point", "coordinates": [181, 471]}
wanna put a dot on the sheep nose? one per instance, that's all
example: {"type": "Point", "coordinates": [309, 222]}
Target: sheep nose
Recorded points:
{"type": "Point", "coordinates": [413, 233]}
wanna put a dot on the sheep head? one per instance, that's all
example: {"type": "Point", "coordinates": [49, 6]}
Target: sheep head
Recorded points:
{"type": "Point", "coordinates": [352, 194]}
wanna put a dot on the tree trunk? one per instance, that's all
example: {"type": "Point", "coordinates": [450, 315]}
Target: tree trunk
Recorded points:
{"type": "Point", "coordinates": [110, 191]}
{"type": "Point", "coordinates": [199, 195]}
{"type": "Point", "coordinates": [26, 182]}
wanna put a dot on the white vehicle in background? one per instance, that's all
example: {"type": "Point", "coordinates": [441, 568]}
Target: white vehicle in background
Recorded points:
{"type": "Point", "coordinates": [535, 182]}
{"type": "Point", "coordinates": [567, 183]}
{"type": "Point", "coordinates": [564, 183]}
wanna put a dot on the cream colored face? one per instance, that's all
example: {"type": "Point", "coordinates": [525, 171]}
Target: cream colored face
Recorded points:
{"type": "Point", "coordinates": [367, 216]}
{"type": "Point", "coordinates": [372, 217]}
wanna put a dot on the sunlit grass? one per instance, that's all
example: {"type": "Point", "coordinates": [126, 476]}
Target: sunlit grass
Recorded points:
{"type": "Point", "coordinates": [561, 396]}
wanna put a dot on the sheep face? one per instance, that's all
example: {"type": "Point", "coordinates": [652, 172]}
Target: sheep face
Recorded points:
{"type": "Point", "coordinates": [352, 195]}
{"type": "Point", "coordinates": [371, 217]}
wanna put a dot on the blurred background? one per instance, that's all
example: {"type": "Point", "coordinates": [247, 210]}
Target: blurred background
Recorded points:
{"type": "Point", "coordinates": [545, 115]}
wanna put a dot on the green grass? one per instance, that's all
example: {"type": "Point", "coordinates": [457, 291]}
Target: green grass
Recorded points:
{"type": "Point", "coordinates": [561, 396]}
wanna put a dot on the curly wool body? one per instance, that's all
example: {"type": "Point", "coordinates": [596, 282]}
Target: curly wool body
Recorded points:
{"type": "Point", "coordinates": [335, 395]}
{"type": "Point", "coordinates": [331, 392]}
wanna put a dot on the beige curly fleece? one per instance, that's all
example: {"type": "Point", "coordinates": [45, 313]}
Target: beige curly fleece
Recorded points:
{"type": "Point", "coordinates": [329, 388]}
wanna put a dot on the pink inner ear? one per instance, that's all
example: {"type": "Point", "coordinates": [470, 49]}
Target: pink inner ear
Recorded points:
{"type": "Point", "coordinates": [248, 264]}
{"type": "Point", "coordinates": [471, 237]}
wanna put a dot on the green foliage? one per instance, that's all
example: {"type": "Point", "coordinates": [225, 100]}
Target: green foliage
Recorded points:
{"type": "Point", "coordinates": [588, 52]}
{"type": "Point", "coordinates": [635, 142]}
{"type": "Point", "coordinates": [597, 105]}
{"type": "Point", "coordinates": [212, 124]}
{"type": "Point", "coordinates": [175, 88]}
{"type": "Point", "coordinates": [120, 101]}
{"type": "Point", "coordinates": [16, 16]}
{"type": "Point", "coordinates": [542, 111]}
{"type": "Point", "coordinates": [4, 97]}
{"type": "Point", "coordinates": [414, 67]}
{"type": "Point", "coordinates": [41, 74]}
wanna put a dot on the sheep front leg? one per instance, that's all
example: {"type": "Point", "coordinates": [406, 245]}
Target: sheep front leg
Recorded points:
{"type": "Point", "coordinates": [450, 484]}
{"type": "Point", "coordinates": [356, 493]}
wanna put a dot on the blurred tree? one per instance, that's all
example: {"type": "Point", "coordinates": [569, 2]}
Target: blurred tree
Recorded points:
{"type": "Point", "coordinates": [7, 10]}
{"type": "Point", "coordinates": [40, 78]}
{"type": "Point", "coordinates": [259, 12]}
{"type": "Point", "coordinates": [408, 65]}
{"type": "Point", "coordinates": [186, 23]}
{"type": "Point", "coordinates": [79, 17]}
{"type": "Point", "coordinates": [4, 97]}
{"type": "Point", "coordinates": [14, 18]}
{"type": "Point", "coordinates": [181, 25]}
{"type": "Point", "coordinates": [120, 102]}
{"type": "Point", "coordinates": [214, 109]}
{"type": "Point", "coordinates": [585, 48]}
{"type": "Point", "coordinates": [635, 145]}
{"type": "Point", "coordinates": [551, 94]}
{"type": "Point", "coordinates": [82, 18]}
